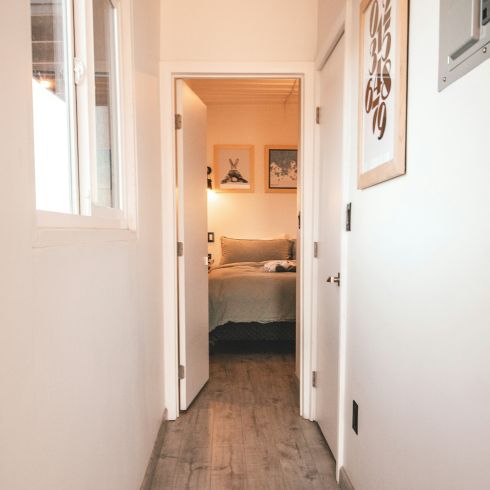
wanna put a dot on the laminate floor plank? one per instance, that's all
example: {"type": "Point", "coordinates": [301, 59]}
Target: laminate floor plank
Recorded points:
{"type": "Point", "coordinates": [265, 477]}
{"type": "Point", "coordinates": [227, 427]}
{"type": "Point", "coordinates": [257, 425]}
{"type": "Point", "coordinates": [193, 470]}
{"type": "Point", "coordinates": [199, 432]}
{"type": "Point", "coordinates": [228, 468]}
{"type": "Point", "coordinates": [244, 432]}
{"type": "Point", "coordinates": [299, 471]}
{"type": "Point", "coordinates": [164, 476]}
{"type": "Point", "coordinates": [325, 466]}
{"type": "Point", "coordinates": [312, 433]}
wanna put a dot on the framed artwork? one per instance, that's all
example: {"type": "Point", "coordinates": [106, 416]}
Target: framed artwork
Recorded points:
{"type": "Point", "coordinates": [234, 168]}
{"type": "Point", "coordinates": [281, 168]}
{"type": "Point", "coordinates": [382, 91]}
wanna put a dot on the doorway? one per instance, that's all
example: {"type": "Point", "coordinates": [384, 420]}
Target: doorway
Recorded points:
{"type": "Point", "coordinates": [252, 131]}
{"type": "Point", "coordinates": [170, 73]}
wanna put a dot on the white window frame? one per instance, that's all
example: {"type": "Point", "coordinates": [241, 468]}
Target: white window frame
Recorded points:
{"type": "Point", "coordinates": [69, 49]}
{"type": "Point", "coordinates": [86, 214]}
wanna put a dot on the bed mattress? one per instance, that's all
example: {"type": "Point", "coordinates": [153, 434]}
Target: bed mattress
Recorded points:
{"type": "Point", "coordinates": [243, 292]}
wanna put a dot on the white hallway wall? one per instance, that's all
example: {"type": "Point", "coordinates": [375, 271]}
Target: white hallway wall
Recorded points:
{"type": "Point", "coordinates": [234, 30]}
{"type": "Point", "coordinates": [418, 332]}
{"type": "Point", "coordinates": [258, 214]}
{"type": "Point", "coordinates": [328, 15]}
{"type": "Point", "coordinates": [81, 394]}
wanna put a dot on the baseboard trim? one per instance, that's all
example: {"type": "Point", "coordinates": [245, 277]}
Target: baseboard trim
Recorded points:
{"type": "Point", "coordinates": [344, 480]}
{"type": "Point", "coordinates": [157, 447]}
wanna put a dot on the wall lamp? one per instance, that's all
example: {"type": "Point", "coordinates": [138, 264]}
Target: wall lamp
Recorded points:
{"type": "Point", "coordinates": [211, 193]}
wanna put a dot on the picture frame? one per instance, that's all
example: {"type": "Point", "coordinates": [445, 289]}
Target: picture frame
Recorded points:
{"type": "Point", "coordinates": [281, 168]}
{"type": "Point", "coordinates": [234, 168]}
{"type": "Point", "coordinates": [382, 91]}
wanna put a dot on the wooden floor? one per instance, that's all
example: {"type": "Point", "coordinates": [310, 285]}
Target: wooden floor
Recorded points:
{"type": "Point", "coordinates": [244, 432]}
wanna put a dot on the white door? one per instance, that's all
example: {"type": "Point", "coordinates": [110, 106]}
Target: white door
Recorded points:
{"type": "Point", "coordinates": [330, 229]}
{"type": "Point", "coordinates": [192, 233]}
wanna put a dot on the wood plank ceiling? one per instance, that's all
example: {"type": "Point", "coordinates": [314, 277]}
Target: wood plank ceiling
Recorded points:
{"type": "Point", "coordinates": [246, 91]}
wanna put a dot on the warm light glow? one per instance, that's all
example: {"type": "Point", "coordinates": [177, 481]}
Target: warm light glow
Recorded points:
{"type": "Point", "coordinates": [47, 84]}
{"type": "Point", "coordinates": [212, 195]}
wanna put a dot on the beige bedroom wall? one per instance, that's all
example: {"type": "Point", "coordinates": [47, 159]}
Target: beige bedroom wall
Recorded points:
{"type": "Point", "coordinates": [81, 382]}
{"type": "Point", "coordinates": [258, 214]}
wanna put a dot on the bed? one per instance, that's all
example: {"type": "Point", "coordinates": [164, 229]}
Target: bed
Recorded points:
{"type": "Point", "coordinates": [246, 301]}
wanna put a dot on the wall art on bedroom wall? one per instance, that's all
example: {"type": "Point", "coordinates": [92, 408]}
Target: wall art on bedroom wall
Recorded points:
{"type": "Point", "coordinates": [234, 168]}
{"type": "Point", "coordinates": [281, 168]}
{"type": "Point", "coordinates": [382, 90]}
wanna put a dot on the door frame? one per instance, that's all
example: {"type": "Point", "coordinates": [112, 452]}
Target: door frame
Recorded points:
{"type": "Point", "coordinates": [325, 51]}
{"type": "Point", "coordinates": [326, 318]}
{"type": "Point", "coordinates": [169, 72]}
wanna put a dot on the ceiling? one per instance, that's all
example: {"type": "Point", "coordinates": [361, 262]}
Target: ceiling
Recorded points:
{"type": "Point", "coordinates": [246, 91]}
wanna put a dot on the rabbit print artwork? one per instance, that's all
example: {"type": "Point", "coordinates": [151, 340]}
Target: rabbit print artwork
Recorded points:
{"type": "Point", "coordinates": [234, 174]}
{"type": "Point", "coordinates": [234, 168]}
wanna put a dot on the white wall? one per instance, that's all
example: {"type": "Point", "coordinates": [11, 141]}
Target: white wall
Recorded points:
{"type": "Point", "coordinates": [234, 30]}
{"type": "Point", "coordinates": [258, 214]}
{"type": "Point", "coordinates": [80, 325]}
{"type": "Point", "coordinates": [329, 12]}
{"type": "Point", "coordinates": [418, 333]}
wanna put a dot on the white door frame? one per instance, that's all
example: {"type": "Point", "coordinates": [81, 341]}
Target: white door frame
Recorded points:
{"type": "Point", "coordinates": [305, 71]}
{"type": "Point", "coordinates": [337, 31]}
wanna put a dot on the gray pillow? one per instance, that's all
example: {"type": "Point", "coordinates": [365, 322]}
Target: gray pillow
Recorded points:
{"type": "Point", "coordinates": [238, 250]}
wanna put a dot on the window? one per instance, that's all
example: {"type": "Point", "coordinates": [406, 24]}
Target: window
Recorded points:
{"type": "Point", "coordinates": [77, 93]}
{"type": "Point", "coordinates": [52, 89]}
{"type": "Point", "coordinates": [106, 104]}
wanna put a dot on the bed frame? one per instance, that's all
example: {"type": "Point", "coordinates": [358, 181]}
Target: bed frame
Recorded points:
{"type": "Point", "coordinates": [253, 337]}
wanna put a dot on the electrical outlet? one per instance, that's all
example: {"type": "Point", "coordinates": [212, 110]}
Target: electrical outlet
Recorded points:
{"type": "Point", "coordinates": [355, 417]}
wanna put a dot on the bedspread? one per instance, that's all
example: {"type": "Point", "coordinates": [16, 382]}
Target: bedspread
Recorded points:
{"type": "Point", "coordinates": [243, 292]}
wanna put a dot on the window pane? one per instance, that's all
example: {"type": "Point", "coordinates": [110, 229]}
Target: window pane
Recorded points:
{"type": "Point", "coordinates": [106, 96]}
{"type": "Point", "coordinates": [51, 103]}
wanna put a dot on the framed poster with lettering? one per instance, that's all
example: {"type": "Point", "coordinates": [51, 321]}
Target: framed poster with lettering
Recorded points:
{"type": "Point", "coordinates": [382, 91]}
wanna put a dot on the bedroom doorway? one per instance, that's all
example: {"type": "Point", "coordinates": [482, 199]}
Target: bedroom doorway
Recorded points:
{"type": "Point", "coordinates": [191, 72]}
{"type": "Point", "coordinates": [237, 139]}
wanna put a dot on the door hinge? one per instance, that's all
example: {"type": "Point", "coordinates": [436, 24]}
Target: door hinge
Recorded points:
{"type": "Point", "coordinates": [299, 220]}
{"type": "Point", "coordinates": [348, 214]}
{"type": "Point", "coordinates": [181, 371]}
{"type": "Point", "coordinates": [180, 249]}
{"type": "Point", "coordinates": [317, 117]}
{"type": "Point", "coordinates": [178, 121]}
{"type": "Point", "coordinates": [314, 378]}
{"type": "Point", "coordinates": [315, 249]}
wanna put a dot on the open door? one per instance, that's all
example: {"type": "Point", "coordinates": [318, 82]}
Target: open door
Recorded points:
{"type": "Point", "coordinates": [330, 215]}
{"type": "Point", "coordinates": [193, 246]}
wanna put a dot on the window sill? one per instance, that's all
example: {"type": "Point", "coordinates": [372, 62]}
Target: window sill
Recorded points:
{"type": "Point", "coordinates": [56, 229]}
